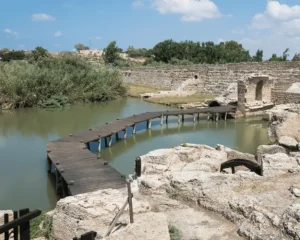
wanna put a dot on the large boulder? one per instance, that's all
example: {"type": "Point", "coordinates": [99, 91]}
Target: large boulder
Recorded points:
{"type": "Point", "coordinates": [288, 142]}
{"type": "Point", "coordinates": [279, 163]}
{"type": "Point", "coordinates": [268, 149]}
{"type": "Point", "coordinates": [76, 215]}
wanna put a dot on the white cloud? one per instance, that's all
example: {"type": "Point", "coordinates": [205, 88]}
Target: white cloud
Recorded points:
{"type": "Point", "coordinates": [11, 33]}
{"type": "Point", "coordinates": [41, 17]}
{"type": "Point", "coordinates": [98, 38]}
{"type": "Point", "coordinates": [282, 11]}
{"type": "Point", "coordinates": [58, 34]}
{"type": "Point", "coordinates": [274, 14]}
{"type": "Point", "coordinates": [138, 3]}
{"type": "Point", "coordinates": [191, 10]}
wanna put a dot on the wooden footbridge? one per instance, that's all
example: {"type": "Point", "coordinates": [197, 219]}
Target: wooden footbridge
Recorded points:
{"type": "Point", "coordinates": [78, 170]}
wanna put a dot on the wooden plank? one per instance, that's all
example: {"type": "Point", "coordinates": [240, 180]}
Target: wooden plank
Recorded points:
{"type": "Point", "coordinates": [83, 169]}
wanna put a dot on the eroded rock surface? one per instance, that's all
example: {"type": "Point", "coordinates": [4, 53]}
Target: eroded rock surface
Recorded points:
{"type": "Point", "coordinates": [240, 205]}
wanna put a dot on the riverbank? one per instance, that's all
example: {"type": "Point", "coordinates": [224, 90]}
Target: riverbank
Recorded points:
{"type": "Point", "coordinates": [136, 90]}
{"type": "Point", "coordinates": [53, 82]}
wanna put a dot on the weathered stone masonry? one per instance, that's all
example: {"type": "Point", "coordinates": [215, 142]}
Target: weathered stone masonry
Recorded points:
{"type": "Point", "coordinates": [212, 78]}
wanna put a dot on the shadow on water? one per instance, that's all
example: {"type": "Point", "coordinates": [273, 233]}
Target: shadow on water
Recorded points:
{"type": "Point", "coordinates": [25, 133]}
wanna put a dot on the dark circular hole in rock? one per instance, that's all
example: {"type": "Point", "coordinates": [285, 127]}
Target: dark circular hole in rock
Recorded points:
{"type": "Point", "coordinates": [196, 76]}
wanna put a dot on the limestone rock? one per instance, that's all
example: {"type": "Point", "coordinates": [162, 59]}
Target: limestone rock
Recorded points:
{"type": "Point", "coordinates": [291, 221]}
{"type": "Point", "coordinates": [94, 211]}
{"type": "Point", "coordinates": [295, 88]}
{"type": "Point", "coordinates": [288, 142]}
{"type": "Point", "coordinates": [268, 149]}
{"type": "Point", "coordinates": [279, 163]}
{"type": "Point", "coordinates": [149, 226]}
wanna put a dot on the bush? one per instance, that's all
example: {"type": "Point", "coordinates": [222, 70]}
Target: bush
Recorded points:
{"type": "Point", "coordinates": [14, 55]}
{"type": "Point", "coordinates": [56, 82]}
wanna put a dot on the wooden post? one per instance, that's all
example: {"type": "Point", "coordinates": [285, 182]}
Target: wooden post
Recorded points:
{"type": "Point", "coordinates": [225, 116]}
{"type": "Point", "coordinates": [117, 136]}
{"type": "Point", "coordinates": [167, 119]}
{"type": "Point", "coordinates": [110, 140]}
{"type": "Point", "coordinates": [198, 117]}
{"type": "Point", "coordinates": [134, 129]}
{"type": "Point", "coordinates": [130, 201]}
{"type": "Point", "coordinates": [149, 123]}
{"type": "Point", "coordinates": [88, 146]}
{"type": "Point", "coordinates": [182, 117]}
{"type": "Point", "coordinates": [58, 182]}
{"type": "Point", "coordinates": [125, 133]}
{"type": "Point", "coordinates": [106, 142]}
{"type": "Point", "coordinates": [162, 120]}
{"type": "Point", "coordinates": [178, 119]}
{"type": "Point", "coordinates": [25, 227]}
{"type": "Point", "coordinates": [6, 234]}
{"type": "Point", "coordinates": [111, 227]}
{"type": "Point", "coordinates": [16, 229]}
{"type": "Point", "coordinates": [64, 188]}
{"type": "Point", "coordinates": [49, 165]}
{"type": "Point", "coordinates": [138, 166]}
{"type": "Point", "coordinates": [233, 170]}
{"type": "Point", "coordinates": [99, 144]}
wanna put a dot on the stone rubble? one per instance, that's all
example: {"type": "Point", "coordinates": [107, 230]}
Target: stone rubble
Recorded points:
{"type": "Point", "coordinates": [257, 207]}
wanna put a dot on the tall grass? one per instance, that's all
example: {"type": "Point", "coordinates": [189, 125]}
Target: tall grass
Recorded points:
{"type": "Point", "coordinates": [55, 82]}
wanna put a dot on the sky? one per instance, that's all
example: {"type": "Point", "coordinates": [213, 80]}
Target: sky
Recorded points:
{"type": "Point", "coordinates": [59, 24]}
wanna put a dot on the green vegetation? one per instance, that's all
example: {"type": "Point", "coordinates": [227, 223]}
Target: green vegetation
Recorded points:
{"type": "Point", "coordinates": [282, 58]}
{"type": "Point", "coordinates": [175, 233]}
{"type": "Point", "coordinates": [46, 81]}
{"type": "Point", "coordinates": [80, 46]}
{"type": "Point", "coordinates": [111, 54]}
{"type": "Point", "coordinates": [36, 231]}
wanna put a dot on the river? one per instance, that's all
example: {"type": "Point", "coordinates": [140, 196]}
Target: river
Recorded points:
{"type": "Point", "coordinates": [24, 134]}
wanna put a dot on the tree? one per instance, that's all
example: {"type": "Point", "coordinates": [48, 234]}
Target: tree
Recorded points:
{"type": "Point", "coordinates": [162, 51]}
{"type": "Point", "coordinates": [296, 57]}
{"type": "Point", "coordinates": [13, 55]}
{"type": "Point", "coordinates": [39, 52]}
{"type": "Point", "coordinates": [138, 52]}
{"type": "Point", "coordinates": [258, 57]}
{"type": "Point", "coordinates": [80, 46]}
{"type": "Point", "coordinates": [275, 58]}
{"type": "Point", "coordinates": [280, 58]}
{"type": "Point", "coordinates": [111, 53]}
{"type": "Point", "coordinates": [285, 54]}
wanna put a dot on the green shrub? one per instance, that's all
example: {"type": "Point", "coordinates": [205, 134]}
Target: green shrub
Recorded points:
{"type": "Point", "coordinates": [175, 233]}
{"type": "Point", "coordinates": [56, 82]}
{"type": "Point", "coordinates": [14, 55]}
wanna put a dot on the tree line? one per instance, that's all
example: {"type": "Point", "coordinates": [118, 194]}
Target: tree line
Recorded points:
{"type": "Point", "coordinates": [172, 52]}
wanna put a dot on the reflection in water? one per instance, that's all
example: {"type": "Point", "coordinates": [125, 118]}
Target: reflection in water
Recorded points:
{"type": "Point", "coordinates": [24, 134]}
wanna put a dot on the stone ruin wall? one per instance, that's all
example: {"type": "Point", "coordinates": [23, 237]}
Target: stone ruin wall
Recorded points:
{"type": "Point", "coordinates": [213, 79]}
{"type": "Point", "coordinates": [280, 96]}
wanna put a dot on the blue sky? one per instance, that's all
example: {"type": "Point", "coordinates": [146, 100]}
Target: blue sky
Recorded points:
{"type": "Point", "coordinates": [59, 24]}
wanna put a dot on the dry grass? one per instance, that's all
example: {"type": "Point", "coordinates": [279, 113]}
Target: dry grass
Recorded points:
{"type": "Point", "coordinates": [135, 89]}
{"type": "Point", "coordinates": [174, 100]}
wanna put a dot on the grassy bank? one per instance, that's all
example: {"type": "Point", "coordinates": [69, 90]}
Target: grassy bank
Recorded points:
{"type": "Point", "coordinates": [56, 82]}
{"type": "Point", "coordinates": [135, 89]}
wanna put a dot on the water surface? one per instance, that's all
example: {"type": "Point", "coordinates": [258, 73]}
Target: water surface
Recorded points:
{"type": "Point", "coordinates": [24, 134]}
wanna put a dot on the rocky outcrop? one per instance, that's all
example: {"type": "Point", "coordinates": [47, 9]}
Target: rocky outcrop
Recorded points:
{"type": "Point", "coordinates": [173, 180]}
{"type": "Point", "coordinates": [288, 142]}
{"type": "Point", "coordinates": [257, 205]}
{"type": "Point", "coordinates": [268, 149]}
{"type": "Point", "coordinates": [284, 121]}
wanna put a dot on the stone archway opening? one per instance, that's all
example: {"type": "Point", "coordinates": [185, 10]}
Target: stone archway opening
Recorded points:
{"type": "Point", "coordinates": [259, 90]}
{"type": "Point", "coordinates": [196, 77]}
